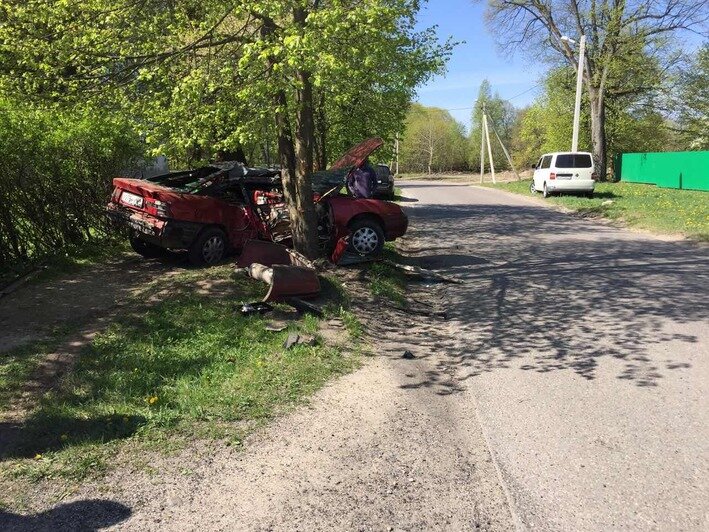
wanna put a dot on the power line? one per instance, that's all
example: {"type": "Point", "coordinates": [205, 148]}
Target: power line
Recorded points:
{"type": "Point", "coordinates": [508, 99]}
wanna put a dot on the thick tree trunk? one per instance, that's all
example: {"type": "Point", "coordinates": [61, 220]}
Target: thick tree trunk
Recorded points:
{"type": "Point", "coordinates": [296, 159]}
{"type": "Point", "coordinates": [320, 135]}
{"type": "Point", "coordinates": [304, 222]}
{"type": "Point", "coordinates": [598, 131]}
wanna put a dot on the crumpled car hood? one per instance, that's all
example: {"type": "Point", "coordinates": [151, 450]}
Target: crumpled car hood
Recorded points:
{"type": "Point", "coordinates": [358, 154]}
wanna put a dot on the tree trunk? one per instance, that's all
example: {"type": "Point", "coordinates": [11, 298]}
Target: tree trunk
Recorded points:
{"type": "Point", "coordinates": [295, 167]}
{"type": "Point", "coordinates": [598, 131]}
{"type": "Point", "coordinates": [304, 221]}
{"type": "Point", "coordinates": [320, 162]}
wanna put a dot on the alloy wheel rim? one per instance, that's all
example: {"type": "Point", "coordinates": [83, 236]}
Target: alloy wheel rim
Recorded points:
{"type": "Point", "coordinates": [213, 249]}
{"type": "Point", "coordinates": [365, 240]}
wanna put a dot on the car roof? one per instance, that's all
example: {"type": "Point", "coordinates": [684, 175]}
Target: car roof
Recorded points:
{"type": "Point", "coordinates": [568, 153]}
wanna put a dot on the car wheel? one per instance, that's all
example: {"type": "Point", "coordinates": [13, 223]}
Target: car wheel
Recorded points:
{"type": "Point", "coordinates": [146, 249]}
{"type": "Point", "coordinates": [531, 188]}
{"type": "Point", "coordinates": [209, 248]}
{"type": "Point", "coordinates": [366, 237]}
{"type": "Point", "coordinates": [589, 194]}
{"type": "Point", "coordinates": [546, 192]}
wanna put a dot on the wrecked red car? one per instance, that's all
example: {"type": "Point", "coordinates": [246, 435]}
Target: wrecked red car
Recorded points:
{"type": "Point", "coordinates": [212, 210]}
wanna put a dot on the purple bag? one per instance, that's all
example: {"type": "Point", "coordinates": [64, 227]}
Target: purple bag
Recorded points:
{"type": "Point", "coordinates": [362, 181]}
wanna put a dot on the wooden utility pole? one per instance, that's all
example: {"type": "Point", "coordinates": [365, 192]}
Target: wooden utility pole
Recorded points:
{"type": "Point", "coordinates": [482, 145]}
{"type": "Point", "coordinates": [507, 154]}
{"type": "Point", "coordinates": [489, 147]}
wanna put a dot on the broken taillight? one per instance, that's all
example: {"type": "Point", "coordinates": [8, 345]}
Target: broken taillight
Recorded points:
{"type": "Point", "coordinates": [157, 208]}
{"type": "Point", "coordinates": [594, 176]}
{"type": "Point", "coordinates": [552, 176]}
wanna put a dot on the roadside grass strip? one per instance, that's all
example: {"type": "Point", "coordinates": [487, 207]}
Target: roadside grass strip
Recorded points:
{"type": "Point", "coordinates": [188, 366]}
{"type": "Point", "coordinates": [663, 210]}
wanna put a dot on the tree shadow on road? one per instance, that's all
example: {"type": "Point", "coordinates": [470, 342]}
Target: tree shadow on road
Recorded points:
{"type": "Point", "coordinates": [543, 291]}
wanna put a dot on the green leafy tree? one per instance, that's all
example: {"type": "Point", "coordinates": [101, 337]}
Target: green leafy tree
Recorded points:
{"type": "Point", "coordinates": [433, 141]}
{"type": "Point", "coordinates": [632, 124]}
{"type": "Point", "coordinates": [501, 117]}
{"type": "Point", "coordinates": [203, 77]}
{"type": "Point", "coordinates": [627, 44]}
{"type": "Point", "coordinates": [693, 102]}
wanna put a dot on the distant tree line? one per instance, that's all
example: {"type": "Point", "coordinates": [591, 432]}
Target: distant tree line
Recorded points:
{"type": "Point", "coordinates": [669, 114]}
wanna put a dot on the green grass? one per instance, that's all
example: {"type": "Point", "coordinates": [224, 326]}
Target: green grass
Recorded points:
{"type": "Point", "coordinates": [188, 367]}
{"type": "Point", "coordinates": [386, 281]}
{"type": "Point", "coordinates": [649, 207]}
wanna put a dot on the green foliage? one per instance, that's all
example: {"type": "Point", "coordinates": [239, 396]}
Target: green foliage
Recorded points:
{"type": "Point", "coordinates": [501, 118]}
{"type": "Point", "coordinates": [658, 209]}
{"type": "Point", "coordinates": [200, 77]}
{"type": "Point", "coordinates": [546, 125]}
{"type": "Point", "coordinates": [433, 141]}
{"type": "Point", "coordinates": [693, 102]}
{"type": "Point", "coordinates": [56, 178]}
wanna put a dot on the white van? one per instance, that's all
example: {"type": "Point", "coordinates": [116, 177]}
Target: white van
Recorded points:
{"type": "Point", "coordinates": [564, 172]}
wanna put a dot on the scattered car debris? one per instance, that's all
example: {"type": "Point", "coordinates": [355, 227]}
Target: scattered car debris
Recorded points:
{"type": "Point", "coordinates": [260, 307]}
{"type": "Point", "coordinates": [275, 327]}
{"type": "Point", "coordinates": [304, 306]}
{"type": "Point", "coordinates": [426, 275]}
{"type": "Point", "coordinates": [408, 355]}
{"type": "Point", "coordinates": [299, 339]}
{"type": "Point", "coordinates": [286, 281]}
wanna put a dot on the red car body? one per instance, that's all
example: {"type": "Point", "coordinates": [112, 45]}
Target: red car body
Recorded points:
{"type": "Point", "coordinates": [237, 209]}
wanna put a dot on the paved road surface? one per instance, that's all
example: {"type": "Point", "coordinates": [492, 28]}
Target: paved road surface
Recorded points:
{"type": "Point", "coordinates": [586, 351]}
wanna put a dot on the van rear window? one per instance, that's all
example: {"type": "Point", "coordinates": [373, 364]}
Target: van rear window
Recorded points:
{"type": "Point", "coordinates": [573, 160]}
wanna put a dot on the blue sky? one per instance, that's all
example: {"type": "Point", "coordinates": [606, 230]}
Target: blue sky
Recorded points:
{"type": "Point", "coordinates": [473, 61]}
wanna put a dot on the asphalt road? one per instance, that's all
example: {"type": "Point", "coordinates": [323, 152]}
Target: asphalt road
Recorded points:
{"type": "Point", "coordinates": [584, 348]}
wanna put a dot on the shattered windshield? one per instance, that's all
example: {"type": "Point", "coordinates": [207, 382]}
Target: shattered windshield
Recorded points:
{"type": "Point", "coordinates": [328, 179]}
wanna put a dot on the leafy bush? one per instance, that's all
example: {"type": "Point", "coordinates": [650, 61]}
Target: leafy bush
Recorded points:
{"type": "Point", "coordinates": [55, 177]}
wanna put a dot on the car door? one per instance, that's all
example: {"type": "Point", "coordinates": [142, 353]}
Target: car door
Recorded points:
{"type": "Point", "coordinates": [235, 215]}
{"type": "Point", "coordinates": [537, 173]}
{"type": "Point", "coordinates": [544, 171]}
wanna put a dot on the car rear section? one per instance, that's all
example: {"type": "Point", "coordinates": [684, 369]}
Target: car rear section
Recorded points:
{"type": "Point", "coordinates": [571, 172]}
{"type": "Point", "coordinates": [148, 210]}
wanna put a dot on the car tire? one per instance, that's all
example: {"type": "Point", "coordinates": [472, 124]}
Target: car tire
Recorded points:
{"type": "Point", "coordinates": [531, 188]}
{"type": "Point", "coordinates": [145, 249]}
{"type": "Point", "coordinates": [589, 195]}
{"type": "Point", "coordinates": [366, 237]}
{"type": "Point", "coordinates": [546, 192]}
{"type": "Point", "coordinates": [209, 247]}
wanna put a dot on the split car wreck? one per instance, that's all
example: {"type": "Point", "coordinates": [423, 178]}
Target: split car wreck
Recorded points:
{"type": "Point", "coordinates": [218, 208]}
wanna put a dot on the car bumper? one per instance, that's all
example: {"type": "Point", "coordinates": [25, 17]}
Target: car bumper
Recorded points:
{"type": "Point", "coordinates": [384, 189]}
{"type": "Point", "coordinates": [396, 226]}
{"type": "Point", "coordinates": [571, 185]}
{"type": "Point", "coordinates": [168, 234]}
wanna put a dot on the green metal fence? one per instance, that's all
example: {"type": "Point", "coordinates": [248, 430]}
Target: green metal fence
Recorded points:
{"type": "Point", "coordinates": [675, 169]}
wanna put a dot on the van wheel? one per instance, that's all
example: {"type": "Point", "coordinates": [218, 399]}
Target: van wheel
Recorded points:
{"type": "Point", "coordinates": [546, 192]}
{"type": "Point", "coordinates": [531, 188]}
{"type": "Point", "coordinates": [589, 195]}
{"type": "Point", "coordinates": [145, 249]}
{"type": "Point", "coordinates": [366, 237]}
{"type": "Point", "coordinates": [208, 248]}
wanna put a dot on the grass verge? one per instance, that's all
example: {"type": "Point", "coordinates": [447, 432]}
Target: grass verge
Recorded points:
{"type": "Point", "coordinates": [386, 281]}
{"type": "Point", "coordinates": [189, 366]}
{"type": "Point", "coordinates": [649, 207]}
